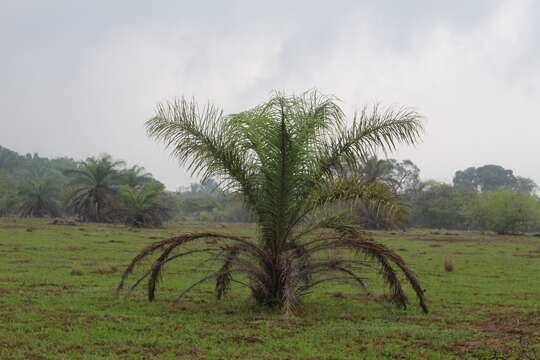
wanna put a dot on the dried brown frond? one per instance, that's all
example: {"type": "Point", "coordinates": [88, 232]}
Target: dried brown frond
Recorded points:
{"type": "Point", "coordinates": [283, 281]}
{"type": "Point", "coordinates": [384, 257]}
{"type": "Point", "coordinates": [167, 246]}
{"type": "Point", "coordinates": [224, 276]}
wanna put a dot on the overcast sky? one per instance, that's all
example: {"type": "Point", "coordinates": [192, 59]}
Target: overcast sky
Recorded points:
{"type": "Point", "coordinates": [79, 78]}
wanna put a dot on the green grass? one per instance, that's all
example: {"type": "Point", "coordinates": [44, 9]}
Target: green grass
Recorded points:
{"type": "Point", "coordinates": [57, 301]}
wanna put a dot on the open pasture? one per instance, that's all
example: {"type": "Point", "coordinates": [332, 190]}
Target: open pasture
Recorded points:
{"type": "Point", "coordinates": [58, 301]}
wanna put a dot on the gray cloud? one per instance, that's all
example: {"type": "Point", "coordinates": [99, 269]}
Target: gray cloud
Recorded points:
{"type": "Point", "coordinates": [80, 78]}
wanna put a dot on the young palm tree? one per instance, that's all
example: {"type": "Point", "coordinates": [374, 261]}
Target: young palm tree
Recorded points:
{"type": "Point", "coordinates": [94, 185]}
{"type": "Point", "coordinates": [141, 206]}
{"type": "Point", "coordinates": [38, 199]}
{"type": "Point", "coordinates": [285, 157]}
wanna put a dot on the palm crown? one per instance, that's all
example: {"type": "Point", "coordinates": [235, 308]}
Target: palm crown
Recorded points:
{"type": "Point", "coordinates": [38, 199]}
{"type": "Point", "coordinates": [285, 157]}
{"type": "Point", "coordinates": [93, 185]}
{"type": "Point", "coordinates": [135, 177]}
{"type": "Point", "coordinates": [140, 206]}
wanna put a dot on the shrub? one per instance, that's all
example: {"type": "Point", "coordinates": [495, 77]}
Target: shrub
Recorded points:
{"type": "Point", "coordinates": [505, 211]}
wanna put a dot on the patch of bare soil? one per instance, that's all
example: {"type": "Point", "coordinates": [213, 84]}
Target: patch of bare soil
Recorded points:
{"type": "Point", "coordinates": [246, 340]}
{"type": "Point", "coordinates": [63, 222]}
{"type": "Point", "coordinates": [442, 237]}
{"type": "Point", "coordinates": [35, 357]}
{"type": "Point", "coordinates": [503, 333]}
{"type": "Point", "coordinates": [110, 242]}
{"type": "Point", "coordinates": [50, 286]}
{"type": "Point", "coordinates": [535, 254]}
{"type": "Point", "coordinates": [192, 352]}
{"type": "Point", "coordinates": [8, 290]}
{"type": "Point", "coordinates": [15, 225]}
{"type": "Point", "coordinates": [275, 322]}
{"type": "Point", "coordinates": [153, 350]}
{"type": "Point", "coordinates": [21, 261]}
{"type": "Point", "coordinates": [63, 318]}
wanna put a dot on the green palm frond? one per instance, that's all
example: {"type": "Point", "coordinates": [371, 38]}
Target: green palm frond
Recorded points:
{"type": "Point", "coordinates": [372, 131]}
{"type": "Point", "coordinates": [197, 137]}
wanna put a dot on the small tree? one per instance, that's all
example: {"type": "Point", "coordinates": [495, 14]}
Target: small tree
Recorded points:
{"type": "Point", "coordinates": [284, 158]}
{"type": "Point", "coordinates": [439, 205]}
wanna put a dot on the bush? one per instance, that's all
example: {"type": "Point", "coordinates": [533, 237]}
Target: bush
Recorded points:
{"type": "Point", "coordinates": [504, 211]}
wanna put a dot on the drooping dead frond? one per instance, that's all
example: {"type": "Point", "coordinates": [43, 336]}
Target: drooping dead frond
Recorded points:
{"type": "Point", "coordinates": [167, 246]}
{"type": "Point", "coordinates": [384, 257]}
{"type": "Point", "coordinates": [224, 276]}
{"type": "Point", "coordinates": [290, 277]}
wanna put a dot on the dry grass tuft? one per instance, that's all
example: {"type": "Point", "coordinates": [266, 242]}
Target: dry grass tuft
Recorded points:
{"type": "Point", "coordinates": [76, 272]}
{"type": "Point", "coordinates": [448, 264]}
{"type": "Point", "coordinates": [104, 270]}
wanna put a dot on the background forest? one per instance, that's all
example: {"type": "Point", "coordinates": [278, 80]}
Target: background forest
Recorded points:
{"type": "Point", "coordinates": [103, 189]}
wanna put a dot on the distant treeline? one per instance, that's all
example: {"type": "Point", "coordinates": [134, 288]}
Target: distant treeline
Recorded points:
{"type": "Point", "coordinates": [102, 189]}
{"type": "Point", "coordinates": [489, 197]}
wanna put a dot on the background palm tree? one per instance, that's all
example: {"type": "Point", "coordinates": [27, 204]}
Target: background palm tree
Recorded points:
{"type": "Point", "coordinates": [285, 157]}
{"type": "Point", "coordinates": [38, 199]}
{"type": "Point", "coordinates": [374, 169]}
{"type": "Point", "coordinates": [377, 170]}
{"type": "Point", "coordinates": [135, 176]}
{"type": "Point", "coordinates": [141, 207]}
{"type": "Point", "coordinates": [93, 187]}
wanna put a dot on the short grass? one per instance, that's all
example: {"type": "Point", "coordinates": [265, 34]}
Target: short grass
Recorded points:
{"type": "Point", "coordinates": [57, 301]}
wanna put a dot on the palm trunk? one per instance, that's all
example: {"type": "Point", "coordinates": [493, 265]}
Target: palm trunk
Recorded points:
{"type": "Point", "coordinates": [98, 217]}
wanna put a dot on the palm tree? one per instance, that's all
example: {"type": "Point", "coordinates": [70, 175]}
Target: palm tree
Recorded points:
{"type": "Point", "coordinates": [135, 176]}
{"type": "Point", "coordinates": [38, 199]}
{"type": "Point", "coordinates": [378, 170]}
{"type": "Point", "coordinates": [375, 169]}
{"type": "Point", "coordinates": [284, 157]}
{"type": "Point", "coordinates": [93, 187]}
{"type": "Point", "coordinates": [141, 206]}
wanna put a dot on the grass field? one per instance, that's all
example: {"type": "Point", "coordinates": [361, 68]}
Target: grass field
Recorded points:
{"type": "Point", "coordinates": [57, 301]}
